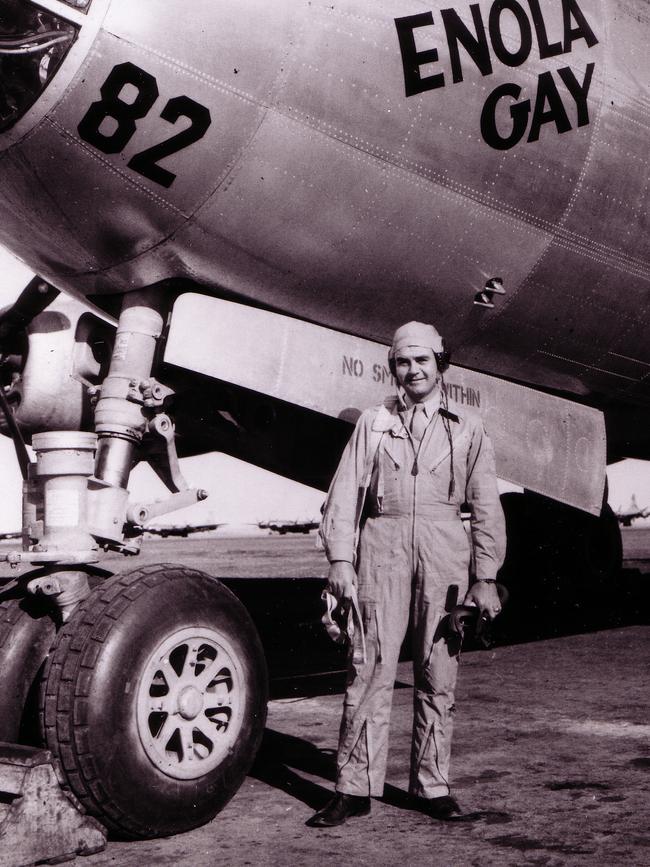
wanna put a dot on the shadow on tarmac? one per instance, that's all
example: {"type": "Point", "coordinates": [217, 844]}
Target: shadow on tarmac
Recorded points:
{"type": "Point", "coordinates": [282, 755]}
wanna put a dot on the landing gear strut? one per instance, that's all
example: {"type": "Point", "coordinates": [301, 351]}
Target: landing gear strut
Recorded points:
{"type": "Point", "coordinates": [153, 697]}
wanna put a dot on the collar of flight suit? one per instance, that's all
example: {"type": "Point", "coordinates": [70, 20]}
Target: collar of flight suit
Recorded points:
{"type": "Point", "coordinates": [388, 416]}
{"type": "Point", "coordinates": [429, 406]}
{"type": "Point", "coordinates": [390, 419]}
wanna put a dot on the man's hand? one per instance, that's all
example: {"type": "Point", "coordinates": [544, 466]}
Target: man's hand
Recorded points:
{"type": "Point", "coordinates": [340, 579]}
{"type": "Point", "coordinates": [484, 595]}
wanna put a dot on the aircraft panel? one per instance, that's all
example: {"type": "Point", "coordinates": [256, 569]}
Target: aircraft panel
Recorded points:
{"type": "Point", "coordinates": [631, 353]}
{"type": "Point", "coordinates": [569, 292]}
{"type": "Point", "coordinates": [425, 132]}
{"type": "Point", "coordinates": [332, 82]}
{"type": "Point", "coordinates": [214, 260]}
{"type": "Point", "coordinates": [386, 227]}
{"type": "Point", "coordinates": [52, 245]}
{"type": "Point", "coordinates": [612, 200]}
{"type": "Point", "coordinates": [124, 226]}
{"type": "Point", "coordinates": [116, 142]}
{"type": "Point", "coordinates": [240, 47]}
{"type": "Point", "coordinates": [533, 180]}
{"type": "Point", "coordinates": [510, 345]}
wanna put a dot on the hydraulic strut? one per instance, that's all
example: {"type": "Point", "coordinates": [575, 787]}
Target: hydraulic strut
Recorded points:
{"type": "Point", "coordinates": [76, 494]}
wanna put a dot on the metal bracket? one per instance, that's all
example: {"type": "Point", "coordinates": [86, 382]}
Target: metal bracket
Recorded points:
{"type": "Point", "coordinates": [160, 453]}
{"type": "Point", "coordinates": [61, 558]}
{"type": "Point", "coordinates": [154, 393]}
{"type": "Point", "coordinates": [494, 286]}
{"type": "Point", "coordinates": [141, 512]}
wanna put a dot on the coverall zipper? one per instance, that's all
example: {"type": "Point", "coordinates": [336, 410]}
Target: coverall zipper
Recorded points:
{"type": "Point", "coordinates": [415, 472]}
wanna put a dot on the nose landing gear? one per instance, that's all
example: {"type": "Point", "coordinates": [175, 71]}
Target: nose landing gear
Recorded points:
{"type": "Point", "coordinates": [153, 695]}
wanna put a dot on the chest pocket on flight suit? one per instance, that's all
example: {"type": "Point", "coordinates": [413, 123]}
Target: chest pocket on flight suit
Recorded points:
{"type": "Point", "coordinates": [434, 486]}
{"type": "Point", "coordinates": [394, 480]}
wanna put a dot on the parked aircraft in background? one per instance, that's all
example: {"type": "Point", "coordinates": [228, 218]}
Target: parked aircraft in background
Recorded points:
{"type": "Point", "coordinates": [252, 197]}
{"type": "Point", "coordinates": [283, 527]}
{"type": "Point", "coordinates": [183, 530]}
{"type": "Point", "coordinates": [15, 535]}
{"type": "Point", "coordinates": [626, 516]}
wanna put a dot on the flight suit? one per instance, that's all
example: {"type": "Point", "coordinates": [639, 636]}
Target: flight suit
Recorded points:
{"type": "Point", "coordinates": [401, 527]}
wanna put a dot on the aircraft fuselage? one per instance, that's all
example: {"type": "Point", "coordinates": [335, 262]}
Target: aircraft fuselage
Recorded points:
{"type": "Point", "coordinates": [357, 166]}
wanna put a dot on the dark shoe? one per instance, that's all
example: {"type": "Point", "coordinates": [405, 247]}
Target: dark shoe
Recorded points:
{"type": "Point", "coordinates": [441, 808]}
{"type": "Point", "coordinates": [339, 810]}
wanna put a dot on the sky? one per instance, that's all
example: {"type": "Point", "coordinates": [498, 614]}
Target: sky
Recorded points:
{"type": "Point", "coordinates": [239, 494]}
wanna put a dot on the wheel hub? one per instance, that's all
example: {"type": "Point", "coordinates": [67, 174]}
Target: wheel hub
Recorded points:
{"type": "Point", "coordinates": [190, 702]}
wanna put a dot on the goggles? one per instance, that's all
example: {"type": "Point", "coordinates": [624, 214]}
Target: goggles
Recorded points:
{"type": "Point", "coordinates": [342, 622]}
{"type": "Point", "coordinates": [467, 619]}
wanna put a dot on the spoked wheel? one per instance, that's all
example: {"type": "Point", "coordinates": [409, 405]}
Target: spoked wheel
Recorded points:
{"type": "Point", "coordinates": [155, 700]}
{"type": "Point", "coordinates": [191, 703]}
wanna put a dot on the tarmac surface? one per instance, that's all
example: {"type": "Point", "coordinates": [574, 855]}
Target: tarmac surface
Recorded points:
{"type": "Point", "coordinates": [551, 759]}
{"type": "Point", "coordinates": [551, 765]}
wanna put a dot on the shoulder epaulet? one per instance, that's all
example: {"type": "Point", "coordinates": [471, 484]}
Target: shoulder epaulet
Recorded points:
{"type": "Point", "coordinates": [450, 415]}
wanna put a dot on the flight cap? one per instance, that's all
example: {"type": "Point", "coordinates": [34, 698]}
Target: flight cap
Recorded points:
{"type": "Point", "coordinates": [416, 334]}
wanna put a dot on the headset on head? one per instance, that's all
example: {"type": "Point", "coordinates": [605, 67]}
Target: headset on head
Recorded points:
{"type": "Point", "coordinates": [442, 359]}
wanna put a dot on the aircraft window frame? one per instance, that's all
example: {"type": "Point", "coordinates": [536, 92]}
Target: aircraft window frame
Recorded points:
{"type": "Point", "coordinates": [33, 45]}
{"type": "Point", "coordinates": [79, 5]}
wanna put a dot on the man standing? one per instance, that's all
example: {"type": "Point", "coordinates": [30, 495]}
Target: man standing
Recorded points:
{"type": "Point", "coordinates": [392, 529]}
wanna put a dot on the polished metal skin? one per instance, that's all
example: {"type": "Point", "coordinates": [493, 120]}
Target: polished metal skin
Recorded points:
{"type": "Point", "coordinates": [320, 188]}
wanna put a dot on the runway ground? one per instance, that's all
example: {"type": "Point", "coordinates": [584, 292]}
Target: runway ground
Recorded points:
{"type": "Point", "coordinates": [551, 750]}
{"type": "Point", "coordinates": [551, 765]}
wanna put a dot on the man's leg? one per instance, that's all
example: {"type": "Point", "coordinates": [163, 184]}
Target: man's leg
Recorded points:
{"type": "Point", "coordinates": [435, 674]}
{"type": "Point", "coordinates": [363, 738]}
{"type": "Point", "coordinates": [441, 580]}
{"type": "Point", "coordinates": [384, 586]}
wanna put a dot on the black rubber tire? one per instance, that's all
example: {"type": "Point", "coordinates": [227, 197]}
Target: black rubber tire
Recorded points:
{"type": "Point", "coordinates": [88, 703]}
{"type": "Point", "coordinates": [26, 634]}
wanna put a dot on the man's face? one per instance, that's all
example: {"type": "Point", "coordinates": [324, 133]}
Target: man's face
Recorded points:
{"type": "Point", "coordinates": [416, 371]}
